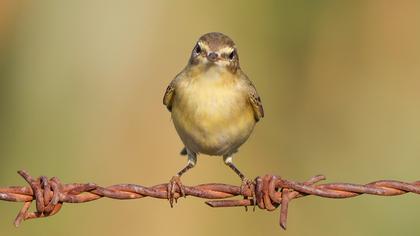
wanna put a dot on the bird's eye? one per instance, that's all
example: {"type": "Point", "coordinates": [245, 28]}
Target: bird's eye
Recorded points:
{"type": "Point", "coordinates": [197, 49]}
{"type": "Point", "coordinates": [232, 55]}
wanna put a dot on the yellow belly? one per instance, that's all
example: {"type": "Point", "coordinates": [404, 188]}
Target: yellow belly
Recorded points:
{"type": "Point", "coordinates": [212, 117]}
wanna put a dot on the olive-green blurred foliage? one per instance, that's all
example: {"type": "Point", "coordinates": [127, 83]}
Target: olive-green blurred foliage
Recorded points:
{"type": "Point", "coordinates": [81, 84]}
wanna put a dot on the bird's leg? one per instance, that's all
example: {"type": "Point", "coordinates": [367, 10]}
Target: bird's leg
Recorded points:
{"type": "Point", "coordinates": [246, 183]}
{"type": "Point", "coordinates": [176, 180]}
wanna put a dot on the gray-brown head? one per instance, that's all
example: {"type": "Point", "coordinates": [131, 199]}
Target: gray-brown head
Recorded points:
{"type": "Point", "coordinates": [215, 49]}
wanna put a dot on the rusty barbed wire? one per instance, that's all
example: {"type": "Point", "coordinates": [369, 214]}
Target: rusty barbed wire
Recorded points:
{"type": "Point", "coordinates": [270, 192]}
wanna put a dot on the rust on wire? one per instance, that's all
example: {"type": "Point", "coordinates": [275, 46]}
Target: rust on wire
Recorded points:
{"type": "Point", "coordinates": [270, 192]}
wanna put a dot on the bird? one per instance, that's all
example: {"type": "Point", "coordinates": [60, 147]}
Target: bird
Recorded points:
{"type": "Point", "coordinates": [214, 105]}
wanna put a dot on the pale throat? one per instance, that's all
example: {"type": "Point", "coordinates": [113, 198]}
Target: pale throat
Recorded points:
{"type": "Point", "coordinates": [216, 72]}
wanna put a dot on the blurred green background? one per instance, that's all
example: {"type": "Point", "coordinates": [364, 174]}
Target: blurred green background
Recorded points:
{"type": "Point", "coordinates": [81, 86]}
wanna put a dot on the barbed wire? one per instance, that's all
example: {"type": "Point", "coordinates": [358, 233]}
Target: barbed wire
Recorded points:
{"type": "Point", "coordinates": [270, 192]}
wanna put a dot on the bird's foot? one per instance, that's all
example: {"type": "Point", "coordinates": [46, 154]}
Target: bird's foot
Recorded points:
{"type": "Point", "coordinates": [248, 184]}
{"type": "Point", "coordinates": [173, 183]}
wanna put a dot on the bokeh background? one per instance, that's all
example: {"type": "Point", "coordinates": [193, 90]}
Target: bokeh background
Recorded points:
{"type": "Point", "coordinates": [81, 86]}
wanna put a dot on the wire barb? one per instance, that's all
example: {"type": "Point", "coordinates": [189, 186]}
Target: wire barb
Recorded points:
{"type": "Point", "coordinates": [270, 192]}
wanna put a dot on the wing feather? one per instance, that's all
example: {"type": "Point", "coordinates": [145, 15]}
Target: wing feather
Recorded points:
{"type": "Point", "coordinates": [169, 94]}
{"type": "Point", "coordinates": [254, 99]}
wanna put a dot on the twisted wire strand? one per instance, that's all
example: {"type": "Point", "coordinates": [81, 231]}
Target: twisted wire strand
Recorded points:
{"type": "Point", "coordinates": [270, 191]}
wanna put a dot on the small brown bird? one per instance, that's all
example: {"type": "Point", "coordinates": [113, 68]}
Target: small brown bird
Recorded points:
{"type": "Point", "coordinates": [214, 106]}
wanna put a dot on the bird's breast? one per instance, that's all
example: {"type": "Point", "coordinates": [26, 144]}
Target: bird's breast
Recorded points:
{"type": "Point", "coordinates": [212, 114]}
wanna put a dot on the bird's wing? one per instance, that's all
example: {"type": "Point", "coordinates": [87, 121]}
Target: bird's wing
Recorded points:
{"type": "Point", "coordinates": [254, 99]}
{"type": "Point", "coordinates": [170, 92]}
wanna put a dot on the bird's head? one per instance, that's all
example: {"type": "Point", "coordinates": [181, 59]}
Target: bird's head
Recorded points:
{"type": "Point", "coordinates": [215, 49]}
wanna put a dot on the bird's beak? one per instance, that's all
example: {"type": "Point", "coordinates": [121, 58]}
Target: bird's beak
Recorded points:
{"type": "Point", "coordinates": [212, 56]}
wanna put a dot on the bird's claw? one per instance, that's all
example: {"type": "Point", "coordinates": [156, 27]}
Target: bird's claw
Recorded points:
{"type": "Point", "coordinates": [248, 184]}
{"type": "Point", "coordinates": [173, 183]}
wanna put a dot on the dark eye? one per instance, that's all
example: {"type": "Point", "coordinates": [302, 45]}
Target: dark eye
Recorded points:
{"type": "Point", "coordinates": [232, 55]}
{"type": "Point", "coordinates": [197, 49]}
